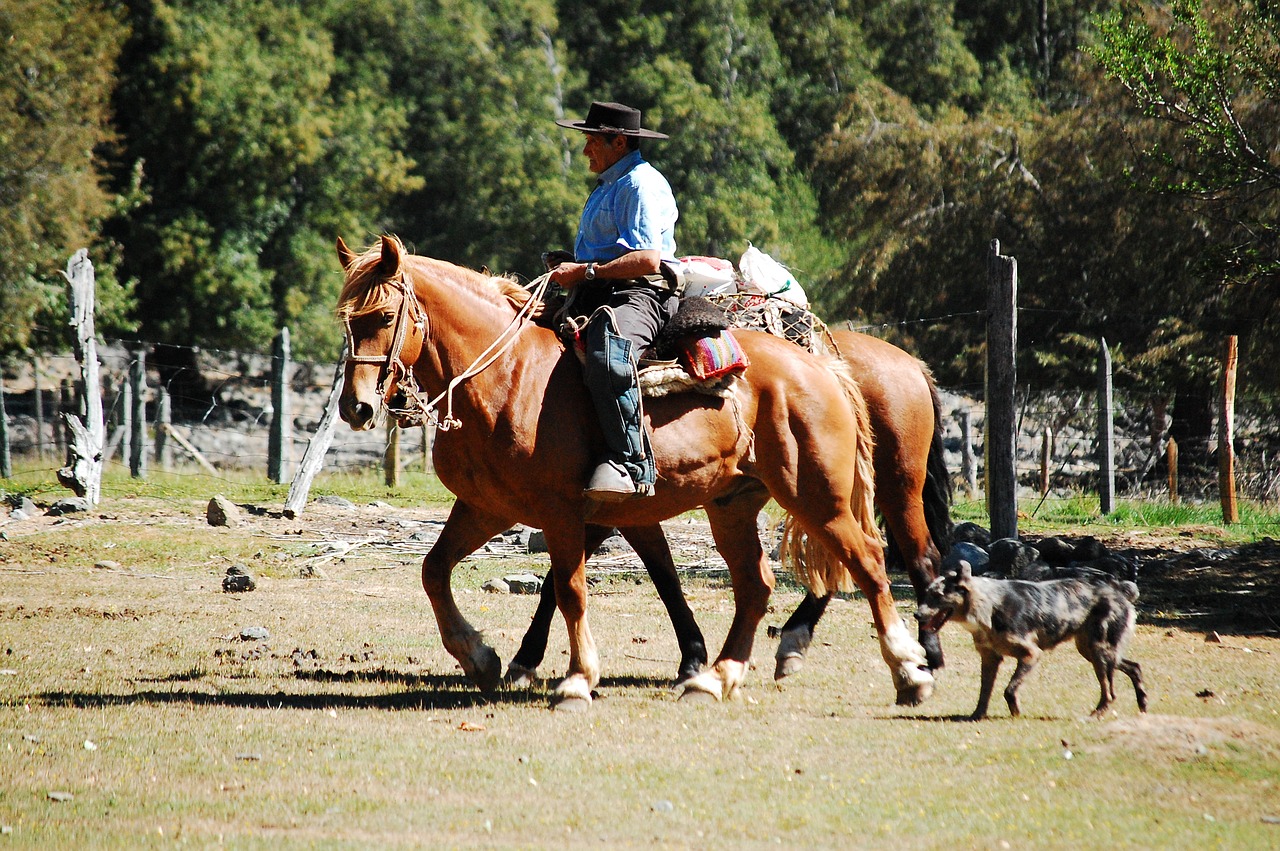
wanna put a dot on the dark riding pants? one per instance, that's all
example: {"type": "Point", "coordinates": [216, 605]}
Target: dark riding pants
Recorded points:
{"type": "Point", "coordinates": [624, 320]}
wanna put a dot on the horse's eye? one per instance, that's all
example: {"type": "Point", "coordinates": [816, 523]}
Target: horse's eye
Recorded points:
{"type": "Point", "coordinates": [388, 319]}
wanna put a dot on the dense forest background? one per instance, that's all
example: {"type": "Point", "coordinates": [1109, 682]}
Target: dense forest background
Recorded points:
{"type": "Point", "coordinates": [209, 151]}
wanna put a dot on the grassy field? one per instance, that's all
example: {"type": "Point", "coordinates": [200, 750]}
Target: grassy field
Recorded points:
{"type": "Point", "coordinates": [133, 715]}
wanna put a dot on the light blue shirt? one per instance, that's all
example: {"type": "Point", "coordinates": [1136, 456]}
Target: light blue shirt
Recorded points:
{"type": "Point", "coordinates": [631, 209]}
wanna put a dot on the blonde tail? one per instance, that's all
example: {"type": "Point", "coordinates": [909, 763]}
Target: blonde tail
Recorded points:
{"type": "Point", "coordinates": [813, 564]}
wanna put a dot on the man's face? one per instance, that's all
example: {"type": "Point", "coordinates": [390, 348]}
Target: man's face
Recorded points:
{"type": "Point", "coordinates": [603, 151]}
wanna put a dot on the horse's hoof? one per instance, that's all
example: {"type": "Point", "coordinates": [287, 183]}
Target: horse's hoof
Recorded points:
{"type": "Point", "coordinates": [486, 669]}
{"type": "Point", "coordinates": [571, 704]}
{"type": "Point", "coordinates": [705, 685]}
{"type": "Point", "coordinates": [694, 696]}
{"type": "Point", "coordinates": [791, 649]}
{"type": "Point", "coordinates": [518, 676]}
{"type": "Point", "coordinates": [914, 694]}
{"type": "Point", "coordinates": [573, 694]}
{"type": "Point", "coordinates": [788, 666]}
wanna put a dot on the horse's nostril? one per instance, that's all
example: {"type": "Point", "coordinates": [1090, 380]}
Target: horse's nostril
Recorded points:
{"type": "Point", "coordinates": [356, 414]}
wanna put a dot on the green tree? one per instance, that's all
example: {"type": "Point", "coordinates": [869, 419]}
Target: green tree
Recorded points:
{"type": "Point", "coordinates": [1207, 76]}
{"type": "Point", "coordinates": [251, 160]}
{"type": "Point", "coordinates": [56, 63]}
{"type": "Point", "coordinates": [705, 72]}
{"type": "Point", "coordinates": [482, 83]}
{"type": "Point", "coordinates": [824, 57]}
{"type": "Point", "coordinates": [922, 55]}
{"type": "Point", "coordinates": [924, 198]}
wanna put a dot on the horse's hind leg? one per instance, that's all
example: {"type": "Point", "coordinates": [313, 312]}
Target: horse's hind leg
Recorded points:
{"type": "Point", "coordinates": [650, 543]}
{"type": "Point", "coordinates": [464, 532]}
{"type": "Point", "coordinates": [522, 670]}
{"type": "Point", "coordinates": [903, 654]}
{"type": "Point", "coordinates": [909, 536]}
{"type": "Point", "coordinates": [796, 634]}
{"type": "Point", "coordinates": [733, 525]}
{"type": "Point", "coordinates": [911, 543]}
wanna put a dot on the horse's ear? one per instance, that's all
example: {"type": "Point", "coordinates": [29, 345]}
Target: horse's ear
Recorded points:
{"type": "Point", "coordinates": [345, 255]}
{"type": "Point", "coordinates": [389, 264]}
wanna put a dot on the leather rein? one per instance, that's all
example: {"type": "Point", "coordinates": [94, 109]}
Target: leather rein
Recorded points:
{"type": "Point", "coordinates": [395, 375]}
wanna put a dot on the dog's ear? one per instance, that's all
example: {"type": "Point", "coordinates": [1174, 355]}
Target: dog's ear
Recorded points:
{"type": "Point", "coordinates": [964, 571]}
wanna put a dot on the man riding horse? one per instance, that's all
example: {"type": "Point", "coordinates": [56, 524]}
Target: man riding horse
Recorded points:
{"type": "Point", "coordinates": [616, 283]}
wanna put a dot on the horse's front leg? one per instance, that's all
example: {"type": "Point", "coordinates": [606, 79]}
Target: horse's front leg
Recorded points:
{"type": "Point", "coordinates": [566, 546]}
{"type": "Point", "coordinates": [464, 532]}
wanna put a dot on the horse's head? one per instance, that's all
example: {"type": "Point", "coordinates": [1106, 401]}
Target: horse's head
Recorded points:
{"type": "Point", "coordinates": [385, 328]}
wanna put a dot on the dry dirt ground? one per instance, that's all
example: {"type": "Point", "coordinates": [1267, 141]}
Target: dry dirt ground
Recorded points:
{"type": "Point", "coordinates": [127, 692]}
{"type": "Point", "coordinates": [1187, 579]}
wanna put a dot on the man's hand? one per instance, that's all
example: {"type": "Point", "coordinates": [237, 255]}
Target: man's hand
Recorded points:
{"type": "Point", "coordinates": [569, 275]}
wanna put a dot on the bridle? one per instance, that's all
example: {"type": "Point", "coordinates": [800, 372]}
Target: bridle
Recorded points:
{"type": "Point", "coordinates": [396, 376]}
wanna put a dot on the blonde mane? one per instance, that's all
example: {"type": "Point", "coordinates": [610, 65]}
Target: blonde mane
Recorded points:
{"type": "Point", "coordinates": [366, 289]}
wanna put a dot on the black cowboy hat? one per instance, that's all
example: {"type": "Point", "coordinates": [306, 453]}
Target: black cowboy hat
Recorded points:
{"type": "Point", "coordinates": [614, 119]}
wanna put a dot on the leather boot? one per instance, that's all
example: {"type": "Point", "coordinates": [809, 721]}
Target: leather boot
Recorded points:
{"type": "Point", "coordinates": [610, 373]}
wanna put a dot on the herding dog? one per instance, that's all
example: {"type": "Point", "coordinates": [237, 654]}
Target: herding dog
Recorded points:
{"type": "Point", "coordinates": [1010, 617]}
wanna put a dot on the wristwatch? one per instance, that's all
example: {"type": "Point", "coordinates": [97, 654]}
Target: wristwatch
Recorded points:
{"type": "Point", "coordinates": [591, 272]}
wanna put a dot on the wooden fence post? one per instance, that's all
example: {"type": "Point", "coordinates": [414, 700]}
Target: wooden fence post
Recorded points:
{"type": "Point", "coordinates": [1106, 435]}
{"type": "Point", "coordinates": [391, 460]}
{"type": "Point", "coordinates": [968, 469]}
{"type": "Point", "coordinates": [37, 398]}
{"type": "Point", "coordinates": [6, 460]}
{"type": "Point", "coordinates": [1001, 431]}
{"type": "Point", "coordinates": [83, 473]}
{"type": "Point", "coordinates": [1046, 456]}
{"type": "Point", "coordinates": [280, 442]}
{"type": "Point", "coordinates": [138, 434]}
{"type": "Point", "coordinates": [164, 419]}
{"type": "Point", "coordinates": [1171, 463]}
{"type": "Point", "coordinates": [126, 417]}
{"type": "Point", "coordinates": [317, 446]}
{"type": "Point", "coordinates": [61, 426]}
{"type": "Point", "coordinates": [1227, 433]}
{"type": "Point", "coordinates": [1159, 427]}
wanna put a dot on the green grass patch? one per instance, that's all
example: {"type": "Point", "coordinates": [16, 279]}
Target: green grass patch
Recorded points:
{"type": "Point", "coordinates": [1080, 514]}
{"type": "Point", "coordinates": [39, 483]}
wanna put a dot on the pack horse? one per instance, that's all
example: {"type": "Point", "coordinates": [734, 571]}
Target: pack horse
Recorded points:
{"type": "Point", "coordinates": [794, 429]}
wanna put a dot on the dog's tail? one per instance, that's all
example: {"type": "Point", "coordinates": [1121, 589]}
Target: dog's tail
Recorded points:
{"type": "Point", "coordinates": [1127, 588]}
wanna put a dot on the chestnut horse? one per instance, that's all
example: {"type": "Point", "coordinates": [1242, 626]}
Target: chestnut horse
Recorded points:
{"type": "Point", "coordinates": [795, 429]}
{"type": "Point", "coordinates": [912, 492]}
